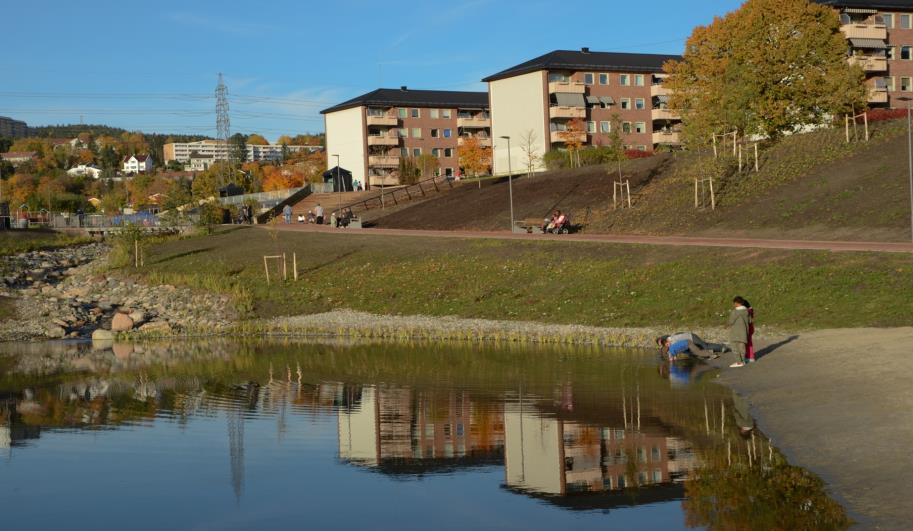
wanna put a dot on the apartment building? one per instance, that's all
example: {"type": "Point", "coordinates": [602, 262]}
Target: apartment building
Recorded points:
{"type": "Point", "coordinates": [545, 96]}
{"type": "Point", "coordinates": [13, 128]}
{"type": "Point", "coordinates": [217, 150]}
{"type": "Point", "coordinates": [880, 38]}
{"type": "Point", "coordinates": [372, 132]}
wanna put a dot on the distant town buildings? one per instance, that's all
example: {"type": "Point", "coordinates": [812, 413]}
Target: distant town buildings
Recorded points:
{"type": "Point", "coordinates": [373, 132]}
{"type": "Point", "coordinates": [13, 128]}
{"type": "Point", "coordinates": [85, 169]}
{"type": "Point", "coordinates": [18, 157]}
{"type": "Point", "coordinates": [880, 38]}
{"type": "Point", "coordinates": [137, 164]}
{"type": "Point", "coordinates": [208, 151]}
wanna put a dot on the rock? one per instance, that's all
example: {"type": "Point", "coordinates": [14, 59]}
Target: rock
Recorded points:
{"type": "Point", "coordinates": [138, 317]}
{"type": "Point", "coordinates": [102, 335]}
{"type": "Point", "coordinates": [60, 322]}
{"type": "Point", "coordinates": [156, 328]}
{"type": "Point", "coordinates": [55, 332]}
{"type": "Point", "coordinates": [121, 323]}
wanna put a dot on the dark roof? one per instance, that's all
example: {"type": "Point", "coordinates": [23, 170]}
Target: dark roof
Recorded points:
{"type": "Point", "coordinates": [587, 60]}
{"type": "Point", "coordinates": [870, 4]}
{"type": "Point", "coordinates": [414, 98]}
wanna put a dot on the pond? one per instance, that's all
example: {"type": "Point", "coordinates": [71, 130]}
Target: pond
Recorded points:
{"type": "Point", "coordinates": [240, 434]}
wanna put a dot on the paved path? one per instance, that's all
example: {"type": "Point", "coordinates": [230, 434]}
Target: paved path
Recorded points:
{"type": "Point", "coordinates": [837, 246]}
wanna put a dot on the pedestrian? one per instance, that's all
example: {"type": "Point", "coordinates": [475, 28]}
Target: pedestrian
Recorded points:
{"type": "Point", "coordinates": [318, 213]}
{"type": "Point", "coordinates": [749, 347]}
{"type": "Point", "coordinates": [287, 214]}
{"type": "Point", "coordinates": [739, 324]}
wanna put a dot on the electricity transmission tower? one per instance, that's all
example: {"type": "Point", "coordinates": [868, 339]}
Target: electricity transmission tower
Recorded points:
{"type": "Point", "coordinates": [223, 127]}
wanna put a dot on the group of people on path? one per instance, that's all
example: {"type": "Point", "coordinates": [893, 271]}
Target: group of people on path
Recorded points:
{"type": "Point", "coordinates": [741, 338]}
{"type": "Point", "coordinates": [313, 216]}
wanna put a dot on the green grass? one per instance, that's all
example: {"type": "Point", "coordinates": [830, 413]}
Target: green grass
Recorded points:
{"type": "Point", "coordinates": [21, 241]}
{"type": "Point", "coordinates": [560, 282]}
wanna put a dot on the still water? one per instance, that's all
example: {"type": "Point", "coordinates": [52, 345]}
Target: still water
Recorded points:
{"type": "Point", "coordinates": [295, 435]}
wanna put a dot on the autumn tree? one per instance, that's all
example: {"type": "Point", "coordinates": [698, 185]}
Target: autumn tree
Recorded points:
{"type": "Point", "coordinates": [475, 159]}
{"type": "Point", "coordinates": [573, 138]}
{"type": "Point", "coordinates": [616, 146]}
{"type": "Point", "coordinates": [529, 145]}
{"type": "Point", "coordinates": [768, 68]}
{"type": "Point", "coordinates": [257, 140]}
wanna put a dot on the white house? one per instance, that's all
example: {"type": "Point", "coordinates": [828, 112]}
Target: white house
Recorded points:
{"type": "Point", "coordinates": [85, 169]}
{"type": "Point", "coordinates": [137, 164]}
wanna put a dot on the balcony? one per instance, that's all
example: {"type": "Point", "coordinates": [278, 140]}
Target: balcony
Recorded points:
{"type": "Point", "coordinates": [562, 136]}
{"type": "Point", "coordinates": [561, 111]}
{"type": "Point", "coordinates": [665, 114]}
{"type": "Point", "coordinates": [383, 140]}
{"type": "Point", "coordinates": [386, 179]}
{"type": "Point", "coordinates": [878, 95]}
{"type": "Point", "coordinates": [667, 137]}
{"type": "Point", "coordinates": [475, 123]}
{"type": "Point", "coordinates": [385, 120]}
{"type": "Point", "coordinates": [483, 141]}
{"type": "Point", "coordinates": [870, 64]}
{"type": "Point", "coordinates": [659, 90]}
{"type": "Point", "coordinates": [568, 87]}
{"type": "Point", "coordinates": [865, 31]}
{"type": "Point", "coordinates": [383, 161]}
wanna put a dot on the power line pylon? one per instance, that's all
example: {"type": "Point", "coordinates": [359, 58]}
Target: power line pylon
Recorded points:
{"type": "Point", "coordinates": [223, 127]}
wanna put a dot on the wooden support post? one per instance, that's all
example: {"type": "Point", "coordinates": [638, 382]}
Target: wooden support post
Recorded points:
{"type": "Point", "coordinates": [266, 268]}
{"type": "Point", "coordinates": [722, 419]}
{"type": "Point", "coordinates": [740, 158]}
{"type": "Point", "coordinates": [284, 268]}
{"type": "Point", "coordinates": [865, 118]}
{"type": "Point", "coordinates": [735, 138]}
{"type": "Point", "coordinates": [757, 167]}
{"type": "Point", "coordinates": [420, 189]}
{"type": "Point", "coordinates": [712, 196]}
{"type": "Point", "coordinates": [295, 266]}
{"type": "Point", "coordinates": [706, 418]}
{"type": "Point", "coordinates": [714, 147]}
{"type": "Point", "coordinates": [628, 185]}
{"type": "Point", "coordinates": [696, 204]}
{"type": "Point", "coordinates": [614, 195]}
{"type": "Point", "coordinates": [847, 127]}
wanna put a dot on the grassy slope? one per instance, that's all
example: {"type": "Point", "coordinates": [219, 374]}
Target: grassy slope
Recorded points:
{"type": "Point", "coordinates": [587, 283]}
{"type": "Point", "coordinates": [19, 241]}
{"type": "Point", "coordinates": [810, 186]}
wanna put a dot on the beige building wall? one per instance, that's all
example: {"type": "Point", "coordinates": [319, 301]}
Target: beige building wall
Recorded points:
{"type": "Point", "coordinates": [359, 431]}
{"type": "Point", "coordinates": [517, 107]}
{"type": "Point", "coordinates": [345, 132]}
{"type": "Point", "coordinates": [533, 452]}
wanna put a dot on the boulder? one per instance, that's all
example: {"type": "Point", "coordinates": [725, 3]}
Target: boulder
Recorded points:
{"type": "Point", "coordinates": [138, 317]}
{"type": "Point", "coordinates": [102, 335]}
{"type": "Point", "coordinates": [121, 322]}
{"type": "Point", "coordinates": [55, 332]}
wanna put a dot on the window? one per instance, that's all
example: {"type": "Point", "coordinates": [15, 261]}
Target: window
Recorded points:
{"type": "Point", "coordinates": [906, 52]}
{"type": "Point", "coordinates": [403, 152]}
{"type": "Point", "coordinates": [888, 19]}
{"type": "Point", "coordinates": [603, 79]}
{"type": "Point", "coordinates": [448, 152]}
{"type": "Point", "coordinates": [625, 103]}
{"type": "Point", "coordinates": [416, 132]}
{"type": "Point", "coordinates": [588, 78]}
{"type": "Point", "coordinates": [640, 127]}
{"type": "Point", "coordinates": [641, 148]}
{"type": "Point", "coordinates": [416, 113]}
{"type": "Point", "coordinates": [558, 77]}
{"type": "Point", "coordinates": [889, 83]}
{"type": "Point", "coordinates": [434, 113]}
{"type": "Point", "coordinates": [435, 152]}
{"type": "Point", "coordinates": [906, 21]}
{"type": "Point", "coordinates": [403, 133]}
{"type": "Point", "coordinates": [639, 80]}
{"type": "Point", "coordinates": [892, 52]}
{"type": "Point", "coordinates": [639, 104]}
{"type": "Point", "coordinates": [448, 172]}
{"type": "Point", "coordinates": [605, 127]}
{"type": "Point", "coordinates": [403, 112]}
{"type": "Point", "coordinates": [905, 85]}
{"type": "Point", "coordinates": [445, 113]}
{"type": "Point", "coordinates": [435, 133]}
{"type": "Point", "coordinates": [624, 80]}
{"type": "Point", "coordinates": [591, 127]}
{"type": "Point", "coordinates": [626, 127]}
{"type": "Point", "coordinates": [448, 133]}
{"type": "Point", "coordinates": [416, 152]}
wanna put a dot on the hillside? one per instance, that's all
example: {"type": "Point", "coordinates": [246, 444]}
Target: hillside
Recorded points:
{"type": "Point", "coordinates": [813, 185]}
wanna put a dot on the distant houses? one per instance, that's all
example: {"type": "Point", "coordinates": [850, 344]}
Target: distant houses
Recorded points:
{"type": "Point", "coordinates": [90, 170]}
{"type": "Point", "coordinates": [135, 164]}
{"type": "Point", "coordinates": [18, 157]}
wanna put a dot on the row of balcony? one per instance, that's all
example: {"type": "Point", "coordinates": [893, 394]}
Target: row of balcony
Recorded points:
{"type": "Point", "coordinates": [392, 121]}
{"type": "Point", "coordinates": [577, 87]}
{"type": "Point", "coordinates": [563, 112]}
{"type": "Point", "coordinates": [659, 137]}
{"type": "Point", "coordinates": [393, 140]}
{"type": "Point", "coordinates": [870, 64]}
{"type": "Point", "coordinates": [865, 31]}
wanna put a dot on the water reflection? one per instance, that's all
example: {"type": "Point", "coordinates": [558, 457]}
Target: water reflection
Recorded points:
{"type": "Point", "coordinates": [575, 430]}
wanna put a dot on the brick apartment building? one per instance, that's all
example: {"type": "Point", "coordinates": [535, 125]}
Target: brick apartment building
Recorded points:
{"type": "Point", "coordinates": [880, 36]}
{"type": "Point", "coordinates": [544, 95]}
{"type": "Point", "coordinates": [372, 132]}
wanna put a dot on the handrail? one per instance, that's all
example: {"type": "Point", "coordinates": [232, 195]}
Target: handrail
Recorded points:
{"type": "Point", "coordinates": [417, 188]}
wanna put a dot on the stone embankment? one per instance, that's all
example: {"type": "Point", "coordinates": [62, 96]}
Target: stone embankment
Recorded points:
{"type": "Point", "coordinates": [66, 293]}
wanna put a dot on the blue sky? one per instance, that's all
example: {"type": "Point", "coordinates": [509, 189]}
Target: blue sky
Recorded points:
{"type": "Point", "coordinates": [153, 66]}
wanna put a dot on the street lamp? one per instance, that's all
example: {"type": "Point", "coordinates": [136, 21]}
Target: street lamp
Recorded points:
{"type": "Point", "coordinates": [510, 183]}
{"type": "Point", "coordinates": [910, 152]}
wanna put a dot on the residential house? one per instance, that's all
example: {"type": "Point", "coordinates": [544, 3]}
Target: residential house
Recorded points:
{"type": "Point", "coordinates": [18, 157]}
{"type": "Point", "coordinates": [85, 169]}
{"type": "Point", "coordinates": [134, 164]}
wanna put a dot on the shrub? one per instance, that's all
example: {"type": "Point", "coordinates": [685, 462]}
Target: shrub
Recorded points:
{"type": "Point", "coordinates": [880, 115]}
{"type": "Point", "coordinates": [637, 154]}
{"type": "Point", "coordinates": [556, 160]}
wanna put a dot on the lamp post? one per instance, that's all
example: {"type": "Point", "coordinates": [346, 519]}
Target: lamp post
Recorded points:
{"type": "Point", "coordinates": [510, 183]}
{"type": "Point", "coordinates": [910, 152]}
